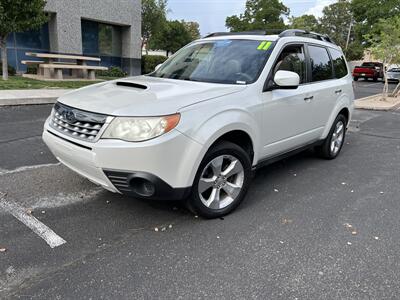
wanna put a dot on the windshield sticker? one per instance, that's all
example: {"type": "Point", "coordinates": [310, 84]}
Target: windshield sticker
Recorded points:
{"type": "Point", "coordinates": [264, 46]}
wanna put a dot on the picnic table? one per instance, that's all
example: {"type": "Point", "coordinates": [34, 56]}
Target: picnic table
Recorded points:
{"type": "Point", "coordinates": [50, 66]}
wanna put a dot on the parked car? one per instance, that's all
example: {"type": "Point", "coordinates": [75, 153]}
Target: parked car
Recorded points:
{"type": "Point", "coordinates": [197, 127]}
{"type": "Point", "coordinates": [373, 70]}
{"type": "Point", "coordinates": [393, 75]}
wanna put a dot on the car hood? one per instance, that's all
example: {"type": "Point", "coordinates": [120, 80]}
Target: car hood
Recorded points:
{"type": "Point", "coordinates": [144, 96]}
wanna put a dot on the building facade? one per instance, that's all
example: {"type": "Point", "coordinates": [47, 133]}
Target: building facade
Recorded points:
{"type": "Point", "coordinates": [109, 29]}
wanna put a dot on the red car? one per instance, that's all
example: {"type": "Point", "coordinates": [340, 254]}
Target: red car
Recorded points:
{"type": "Point", "coordinates": [373, 70]}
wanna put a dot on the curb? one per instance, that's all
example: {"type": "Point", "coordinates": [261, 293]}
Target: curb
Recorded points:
{"type": "Point", "coordinates": [27, 101]}
{"type": "Point", "coordinates": [359, 105]}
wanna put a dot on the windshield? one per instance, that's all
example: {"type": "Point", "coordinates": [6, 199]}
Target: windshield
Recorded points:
{"type": "Point", "coordinates": [220, 61]}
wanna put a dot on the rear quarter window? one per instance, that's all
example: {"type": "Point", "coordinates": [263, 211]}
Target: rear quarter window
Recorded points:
{"type": "Point", "coordinates": [339, 63]}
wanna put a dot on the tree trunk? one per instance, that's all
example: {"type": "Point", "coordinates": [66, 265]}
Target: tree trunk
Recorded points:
{"type": "Point", "coordinates": [3, 46]}
{"type": "Point", "coordinates": [396, 90]}
{"type": "Point", "coordinates": [386, 85]}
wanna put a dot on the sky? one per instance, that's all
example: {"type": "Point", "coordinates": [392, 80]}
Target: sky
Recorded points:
{"type": "Point", "coordinates": [211, 14]}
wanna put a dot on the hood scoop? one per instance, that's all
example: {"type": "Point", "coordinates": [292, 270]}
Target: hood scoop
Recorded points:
{"type": "Point", "coordinates": [132, 85]}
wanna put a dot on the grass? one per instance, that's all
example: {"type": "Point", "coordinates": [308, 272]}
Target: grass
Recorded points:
{"type": "Point", "coordinates": [22, 83]}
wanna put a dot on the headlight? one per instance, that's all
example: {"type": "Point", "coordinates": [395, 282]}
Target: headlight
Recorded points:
{"type": "Point", "coordinates": [140, 129]}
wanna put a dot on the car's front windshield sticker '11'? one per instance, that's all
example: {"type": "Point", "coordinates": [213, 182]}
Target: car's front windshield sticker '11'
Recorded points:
{"type": "Point", "coordinates": [264, 46]}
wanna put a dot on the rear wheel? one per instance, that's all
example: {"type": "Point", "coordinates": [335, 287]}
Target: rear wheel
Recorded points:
{"type": "Point", "coordinates": [221, 181]}
{"type": "Point", "coordinates": [355, 78]}
{"type": "Point", "coordinates": [333, 143]}
{"type": "Point", "coordinates": [375, 79]}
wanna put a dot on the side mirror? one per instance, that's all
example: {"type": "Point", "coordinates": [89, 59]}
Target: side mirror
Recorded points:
{"type": "Point", "coordinates": [157, 67]}
{"type": "Point", "coordinates": [286, 80]}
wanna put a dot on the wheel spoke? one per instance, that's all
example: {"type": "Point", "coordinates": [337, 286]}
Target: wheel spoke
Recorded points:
{"type": "Point", "coordinates": [216, 165]}
{"type": "Point", "coordinates": [339, 129]}
{"type": "Point", "coordinates": [205, 184]}
{"type": "Point", "coordinates": [232, 190]}
{"type": "Point", "coordinates": [213, 201]}
{"type": "Point", "coordinates": [234, 167]}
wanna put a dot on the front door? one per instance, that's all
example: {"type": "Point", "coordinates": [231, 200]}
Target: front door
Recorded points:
{"type": "Point", "coordinates": [288, 121]}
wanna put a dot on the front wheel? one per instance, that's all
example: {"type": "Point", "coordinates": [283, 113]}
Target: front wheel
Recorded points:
{"type": "Point", "coordinates": [333, 143]}
{"type": "Point", "coordinates": [355, 78]}
{"type": "Point", "coordinates": [221, 181]}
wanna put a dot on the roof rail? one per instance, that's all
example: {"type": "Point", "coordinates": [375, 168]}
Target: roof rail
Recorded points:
{"type": "Point", "coordinates": [306, 33]}
{"type": "Point", "coordinates": [255, 32]}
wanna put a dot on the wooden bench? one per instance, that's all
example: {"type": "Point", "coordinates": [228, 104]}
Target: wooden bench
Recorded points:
{"type": "Point", "coordinates": [59, 67]}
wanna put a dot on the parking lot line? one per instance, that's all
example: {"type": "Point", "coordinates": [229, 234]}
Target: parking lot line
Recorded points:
{"type": "Point", "coordinates": [25, 168]}
{"type": "Point", "coordinates": [50, 237]}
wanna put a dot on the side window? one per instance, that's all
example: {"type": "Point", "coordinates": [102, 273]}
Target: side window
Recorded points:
{"type": "Point", "coordinates": [339, 63]}
{"type": "Point", "coordinates": [292, 59]}
{"type": "Point", "coordinates": [321, 66]}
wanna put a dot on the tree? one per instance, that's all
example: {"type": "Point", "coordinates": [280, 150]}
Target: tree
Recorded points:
{"type": "Point", "coordinates": [193, 28]}
{"type": "Point", "coordinates": [337, 21]}
{"type": "Point", "coordinates": [154, 17]}
{"type": "Point", "coordinates": [171, 37]}
{"type": "Point", "coordinates": [367, 13]}
{"type": "Point", "coordinates": [17, 16]}
{"type": "Point", "coordinates": [385, 45]}
{"type": "Point", "coordinates": [259, 15]}
{"type": "Point", "coordinates": [306, 22]}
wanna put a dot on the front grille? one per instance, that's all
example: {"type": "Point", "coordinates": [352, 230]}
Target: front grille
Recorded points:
{"type": "Point", "coordinates": [77, 123]}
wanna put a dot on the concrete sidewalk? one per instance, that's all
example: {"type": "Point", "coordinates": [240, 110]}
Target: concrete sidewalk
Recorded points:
{"type": "Point", "coordinates": [27, 97]}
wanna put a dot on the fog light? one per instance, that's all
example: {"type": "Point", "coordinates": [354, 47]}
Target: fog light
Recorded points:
{"type": "Point", "coordinates": [143, 187]}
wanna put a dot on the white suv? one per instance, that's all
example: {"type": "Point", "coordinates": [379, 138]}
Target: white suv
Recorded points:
{"type": "Point", "coordinates": [198, 126]}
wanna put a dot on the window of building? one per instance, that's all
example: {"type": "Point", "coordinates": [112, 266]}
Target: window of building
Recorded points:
{"type": "Point", "coordinates": [321, 66]}
{"type": "Point", "coordinates": [33, 39]}
{"type": "Point", "coordinates": [339, 63]}
{"type": "Point", "coordinates": [101, 39]}
{"type": "Point", "coordinates": [292, 59]}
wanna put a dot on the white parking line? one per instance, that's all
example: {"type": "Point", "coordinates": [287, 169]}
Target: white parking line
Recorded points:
{"type": "Point", "coordinates": [21, 169]}
{"type": "Point", "coordinates": [50, 237]}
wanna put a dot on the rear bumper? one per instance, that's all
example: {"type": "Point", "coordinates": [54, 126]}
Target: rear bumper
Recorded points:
{"type": "Point", "coordinates": [364, 75]}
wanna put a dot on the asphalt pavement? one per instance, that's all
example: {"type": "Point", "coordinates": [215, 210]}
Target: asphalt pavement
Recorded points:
{"type": "Point", "coordinates": [308, 228]}
{"type": "Point", "coordinates": [365, 88]}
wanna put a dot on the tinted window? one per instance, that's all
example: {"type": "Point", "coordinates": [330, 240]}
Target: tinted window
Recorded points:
{"type": "Point", "coordinates": [339, 64]}
{"type": "Point", "coordinates": [292, 59]}
{"type": "Point", "coordinates": [321, 66]}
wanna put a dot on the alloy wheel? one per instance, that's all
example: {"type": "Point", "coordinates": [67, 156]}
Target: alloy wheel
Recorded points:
{"type": "Point", "coordinates": [221, 182]}
{"type": "Point", "coordinates": [337, 138]}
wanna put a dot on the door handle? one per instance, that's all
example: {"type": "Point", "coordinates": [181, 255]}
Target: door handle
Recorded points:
{"type": "Point", "coordinates": [308, 99]}
{"type": "Point", "coordinates": [338, 91]}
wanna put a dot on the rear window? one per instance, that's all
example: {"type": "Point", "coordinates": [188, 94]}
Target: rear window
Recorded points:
{"type": "Point", "coordinates": [321, 66]}
{"type": "Point", "coordinates": [339, 63]}
{"type": "Point", "coordinates": [396, 70]}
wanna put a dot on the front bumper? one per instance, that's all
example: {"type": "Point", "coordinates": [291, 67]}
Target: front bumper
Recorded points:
{"type": "Point", "coordinates": [168, 162]}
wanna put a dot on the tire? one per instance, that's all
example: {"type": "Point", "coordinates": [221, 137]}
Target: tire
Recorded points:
{"type": "Point", "coordinates": [333, 143]}
{"type": "Point", "coordinates": [355, 78]}
{"type": "Point", "coordinates": [209, 197]}
{"type": "Point", "coordinates": [375, 79]}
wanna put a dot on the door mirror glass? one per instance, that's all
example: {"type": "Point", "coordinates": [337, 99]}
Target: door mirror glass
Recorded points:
{"type": "Point", "coordinates": [157, 67]}
{"type": "Point", "coordinates": [286, 80]}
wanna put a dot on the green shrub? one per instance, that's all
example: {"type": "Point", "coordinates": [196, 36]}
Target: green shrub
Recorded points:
{"type": "Point", "coordinates": [149, 62]}
{"type": "Point", "coordinates": [112, 72]}
{"type": "Point", "coordinates": [11, 70]}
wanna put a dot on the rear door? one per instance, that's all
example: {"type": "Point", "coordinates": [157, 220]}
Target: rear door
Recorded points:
{"type": "Point", "coordinates": [323, 85]}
